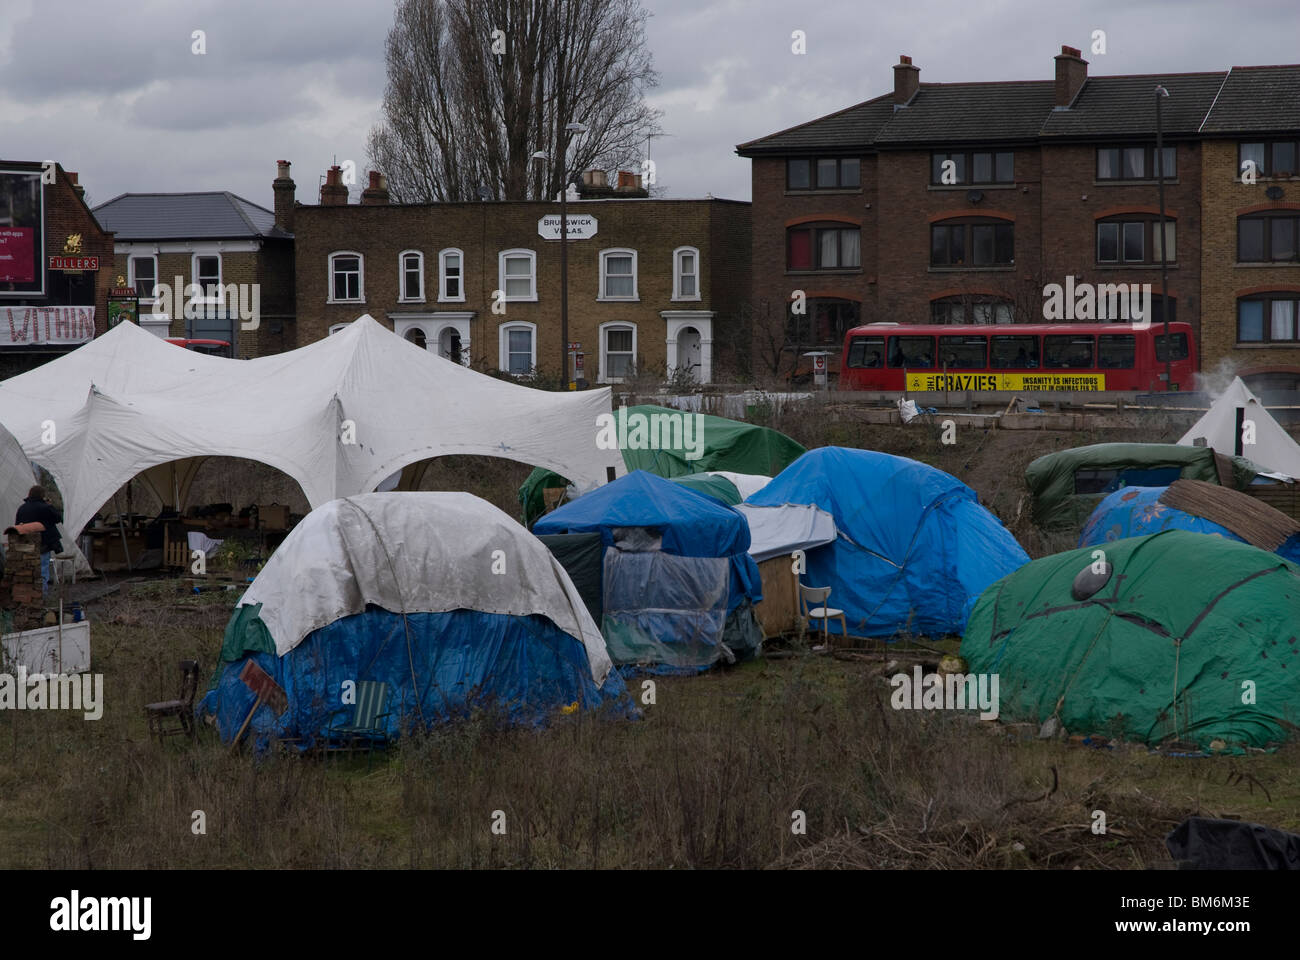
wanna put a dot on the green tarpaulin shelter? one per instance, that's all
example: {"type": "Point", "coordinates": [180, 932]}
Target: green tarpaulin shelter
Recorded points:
{"type": "Point", "coordinates": [1068, 485]}
{"type": "Point", "coordinates": [719, 488]}
{"type": "Point", "coordinates": [727, 445]}
{"type": "Point", "coordinates": [1186, 637]}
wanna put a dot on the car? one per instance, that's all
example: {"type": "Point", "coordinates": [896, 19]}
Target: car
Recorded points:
{"type": "Point", "coordinates": [213, 348]}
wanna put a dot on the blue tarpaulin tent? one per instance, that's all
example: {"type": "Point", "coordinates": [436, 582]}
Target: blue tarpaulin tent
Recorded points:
{"type": "Point", "coordinates": [678, 584]}
{"type": "Point", "coordinates": [915, 548]}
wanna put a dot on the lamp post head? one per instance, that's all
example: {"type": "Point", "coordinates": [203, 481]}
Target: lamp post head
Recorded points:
{"type": "Point", "coordinates": [1161, 91]}
{"type": "Point", "coordinates": [576, 127]}
{"type": "Point", "coordinates": [541, 155]}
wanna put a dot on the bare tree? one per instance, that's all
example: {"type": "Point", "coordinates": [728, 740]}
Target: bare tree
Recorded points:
{"type": "Point", "coordinates": [475, 87]}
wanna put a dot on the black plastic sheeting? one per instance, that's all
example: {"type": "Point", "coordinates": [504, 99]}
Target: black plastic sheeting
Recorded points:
{"type": "Point", "coordinates": [1199, 843]}
{"type": "Point", "coordinates": [581, 556]}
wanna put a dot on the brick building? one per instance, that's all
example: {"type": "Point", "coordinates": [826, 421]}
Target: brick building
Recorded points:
{"type": "Point", "coordinates": [960, 202]}
{"type": "Point", "coordinates": [230, 248]}
{"type": "Point", "coordinates": [654, 285]}
{"type": "Point", "coordinates": [55, 265]}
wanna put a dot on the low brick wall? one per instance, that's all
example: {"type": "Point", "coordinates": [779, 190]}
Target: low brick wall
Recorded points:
{"type": "Point", "coordinates": [20, 590]}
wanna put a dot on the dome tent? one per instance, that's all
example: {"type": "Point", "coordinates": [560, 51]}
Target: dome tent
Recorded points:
{"type": "Point", "coordinates": [440, 595]}
{"type": "Point", "coordinates": [914, 547]}
{"type": "Point", "coordinates": [1157, 648]}
{"type": "Point", "coordinates": [678, 585]}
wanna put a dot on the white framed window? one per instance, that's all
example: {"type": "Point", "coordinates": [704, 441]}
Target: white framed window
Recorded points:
{"type": "Point", "coordinates": [517, 275]}
{"type": "Point", "coordinates": [206, 273]}
{"type": "Point", "coordinates": [617, 351]}
{"type": "Point", "coordinates": [410, 272]}
{"type": "Point", "coordinates": [347, 282]}
{"type": "Point", "coordinates": [142, 273]}
{"type": "Point", "coordinates": [518, 348]}
{"type": "Point", "coordinates": [338, 327]}
{"type": "Point", "coordinates": [451, 276]}
{"type": "Point", "coordinates": [686, 273]}
{"type": "Point", "coordinates": [617, 275]}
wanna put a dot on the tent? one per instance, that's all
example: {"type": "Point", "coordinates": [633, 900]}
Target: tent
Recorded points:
{"type": "Point", "coordinates": [678, 586]}
{"type": "Point", "coordinates": [914, 547]}
{"type": "Point", "coordinates": [338, 415]}
{"type": "Point", "coordinates": [1139, 511]}
{"type": "Point", "coordinates": [1270, 445]}
{"type": "Point", "coordinates": [741, 452]}
{"type": "Point", "coordinates": [16, 478]}
{"type": "Point", "coordinates": [1068, 484]}
{"type": "Point", "coordinates": [440, 595]}
{"type": "Point", "coordinates": [1178, 637]}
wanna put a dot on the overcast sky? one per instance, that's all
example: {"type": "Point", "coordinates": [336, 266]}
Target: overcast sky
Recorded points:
{"type": "Point", "coordinates": [112, 90]}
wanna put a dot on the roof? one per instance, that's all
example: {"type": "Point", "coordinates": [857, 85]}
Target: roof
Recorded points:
{"type": "Point", "coordinates": [213, 215]}
{"type": "Point", "coordinates": [1240, 100]}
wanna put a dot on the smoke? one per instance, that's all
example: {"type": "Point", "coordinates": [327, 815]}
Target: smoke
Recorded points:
{"type": "Point", "coordinates": [1216, 381]}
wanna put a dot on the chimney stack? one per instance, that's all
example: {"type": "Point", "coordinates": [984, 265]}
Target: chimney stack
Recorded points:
{"type": "Point", "coordinates": [907, 80]}
{"type": "Point", "coordinates": [377, 192]}
{"type": "Point", "coordinates": [1071, 72]}
{"type": "Point", "coordinates": [595, 178]}
{"type": "Point", "coordinates": [284, 189]}
{"type": "Point", "coordinates": [332, 192]}
{"type": "Point", "coordinates": [72, 179]}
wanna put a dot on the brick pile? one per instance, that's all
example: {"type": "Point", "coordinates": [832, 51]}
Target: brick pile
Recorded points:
{"type": "Point", "coordinates": [20, 591]}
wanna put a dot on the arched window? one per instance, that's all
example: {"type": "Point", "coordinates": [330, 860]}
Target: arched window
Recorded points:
{"type": "Point", "coordinates": [416, 336]}
{"type": "Point", "coordinates": [346, 277]}
{"type": "Point", "coordinates": [517, 275]}
{"type": "Point", "coordinates": [451, 275]}
{"type": "Point", "coordinates": [686, 273]}
{"type": "Point", "coordinates": [518, 348]}
{"type": "Point", "coordinates": [617, 351]}
{"type": "Point", "coordinates": [410, 272]}
{"type": "Point", "coordinates": [617, 275]}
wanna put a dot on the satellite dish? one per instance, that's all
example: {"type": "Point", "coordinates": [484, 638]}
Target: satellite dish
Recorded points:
{"type": "Point", "coordinates": [1089, 581]}
{"type": "Point", "coordinates": [1273, 193]}
{"type": "Point", "coordinates": [484, 193]}
{"type": "Point", "coordinates": [974, 196]}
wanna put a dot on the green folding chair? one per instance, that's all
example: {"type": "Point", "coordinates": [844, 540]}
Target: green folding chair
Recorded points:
{"type": "Point", "coordinates": [366, 729]}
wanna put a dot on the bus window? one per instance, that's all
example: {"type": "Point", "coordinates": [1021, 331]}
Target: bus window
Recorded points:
{"type": "Point", "coordinates": [912, 352]}
{"type": "Point", "coordinates": [1070, 351]}
{"type": "Point", "coordinates": [867, 352]}
{"type": "Point", "coordinates": [1180, 347]}
{"type": "Point", "coordinates": [1014, 353]}
{"type": "Point", "coordinates": [1115, 351]}
{"type": "Point", "coordinates": [963, 353]}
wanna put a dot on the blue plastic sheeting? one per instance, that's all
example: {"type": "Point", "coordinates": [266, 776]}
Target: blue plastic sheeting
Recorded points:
{"type": "Point", "coordinates": [1137, 511]}
{"type": "Point", "coordinates": [665, 609]}
{"type": "Point", "coordinates": [525, 667]}
{"type": "Point", "coordinates": [690, 524]}
{"type": "Point", "coordinates": [915, 548]}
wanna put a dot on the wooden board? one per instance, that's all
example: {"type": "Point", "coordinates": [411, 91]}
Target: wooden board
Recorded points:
{"type": "Point", "coordinates": [779, 611]}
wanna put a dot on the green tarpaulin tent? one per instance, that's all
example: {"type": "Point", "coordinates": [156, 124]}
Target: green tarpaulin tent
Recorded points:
{"type": "Point", "coordinates": [1186, 637]}
{"type": "Point", "coordinates": [719, 488]}
{"type": "Point", "coordinates": [727, 445]}
{"type": "Point", "coordinates": [1068, 485]}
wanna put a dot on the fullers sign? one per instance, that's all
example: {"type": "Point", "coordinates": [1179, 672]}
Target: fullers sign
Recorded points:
{"type": "Point", "coordinates": [23, 326]}
{"type": "Point", "coordinates": [74, 263]}
{"type": "Point", "coordinates": [581, 226]}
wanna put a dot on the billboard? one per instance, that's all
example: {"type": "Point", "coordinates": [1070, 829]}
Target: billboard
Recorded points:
{"type": "Point", "coordinates": [22, 234]}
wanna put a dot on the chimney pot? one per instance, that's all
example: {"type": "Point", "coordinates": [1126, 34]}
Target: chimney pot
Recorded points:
{"type": "Point", "coordinates": [907, 80]}
{"type": "Point", "coordinates": [333, 193]}
{"type": "Point", "coordinates": [377, 192]}
{"type": "Point", "coordinates": [284, 190]}
{"type": "Point", "coordinates": [1071, 74]}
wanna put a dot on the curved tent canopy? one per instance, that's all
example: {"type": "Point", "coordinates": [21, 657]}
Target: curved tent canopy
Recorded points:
{"type": "Point", "coordinates": [1271, 447]}
{"type": "Point", "coordinates": [1156, 649]}
{"type": "Point", "coordinates": [338, 415]}
{"type": "Point", "coordinates": [407, 588]}
{"type": "Point", "coordinates": [914, 548]}
{"type": "Point", "coordinates": [16, 478]}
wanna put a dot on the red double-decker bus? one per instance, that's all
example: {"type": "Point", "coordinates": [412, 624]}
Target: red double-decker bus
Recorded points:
{"type": "Point", "coordinates": [1020, 357]}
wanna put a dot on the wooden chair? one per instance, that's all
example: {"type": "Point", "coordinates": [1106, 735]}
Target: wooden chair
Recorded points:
{"type": "Point", "coordinates": [812, 605]}
{"type": "Point", "coordinates": [366, 730]}
{"type": "Point", "coordinates": [180, 711]}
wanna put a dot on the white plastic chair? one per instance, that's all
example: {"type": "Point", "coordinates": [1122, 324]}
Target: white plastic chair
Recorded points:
{"type": "Point", "coordinates": [812, 604]}
{"type": "Point", "coordinates": [61, 564]}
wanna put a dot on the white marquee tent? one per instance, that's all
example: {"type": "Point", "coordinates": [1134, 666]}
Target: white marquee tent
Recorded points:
{"type": "Point", "coordinates": [338, 415]}
{"type": "Point", "coordinates": [1272, 448]}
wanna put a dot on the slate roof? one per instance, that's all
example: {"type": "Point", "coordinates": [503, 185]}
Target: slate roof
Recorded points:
{"type": "Point", "coordinates": [216, 215]}
{"type": "Point", "coordinates": [1240, 100]}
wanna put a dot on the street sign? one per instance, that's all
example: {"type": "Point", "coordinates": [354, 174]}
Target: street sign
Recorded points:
{"type": "Point", "coordinates": [575, 345]}
{"type": "Point", "coordinates": [580, 226]}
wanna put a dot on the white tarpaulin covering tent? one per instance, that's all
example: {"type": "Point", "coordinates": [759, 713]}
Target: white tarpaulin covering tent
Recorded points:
{"type": "Point", "coordinates": [16, 478]}
{"type": "Point", "coordinates": [1273, 447]}
{"type": "Point", "coordinates": [339, 416]}
{"type": "Point", "coordinates": [774, 531]}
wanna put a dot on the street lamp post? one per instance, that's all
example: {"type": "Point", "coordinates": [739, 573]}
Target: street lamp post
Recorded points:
{"type": "Point", "coordinates": [575, 128]}
{"type": "Point", "coordinates": [1161, 93]}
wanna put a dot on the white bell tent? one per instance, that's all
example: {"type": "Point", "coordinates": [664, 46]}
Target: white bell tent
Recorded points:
{"type": "Point", "coordinates": [1264, 440]}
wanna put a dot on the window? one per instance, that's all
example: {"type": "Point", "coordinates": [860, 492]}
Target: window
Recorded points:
{"type": "Point", "coordinates": [913, 352]}
{"type": "Point", "coordinates": [973, 167]}
{"type": "Point", "coordinates": [207, 274]}
{"type": "Point", "coordinates": [1270, 318]}
{"type": "Point", "coordinates": [984, 243]}
{"type": "Point", "coordinates": [1134, 163]}
{"type": "Point", "coordinates": [686, 273]}
{"type": "Point", "coordinates": [142, 273]}
{"type": "Point", "coordinates": [518, 348]}
{"type": "Point", "coordinates": [1116, 351]}
{"type": "Point", "coordinates": [963, 352]}
{"type": "Point", "coordinates": [1272, 158]}
{"type": "Point", "coordinates": [345, 277]}
{"type": "Point", "coordinates": [617, 351]}
{"type": "Point", "coordinates": [1180, 347]}
{"type": "Point", "coordinates": [451, 275]}
{"type": "Point", "coordinates": [417, 336]}
{"type": "Point", "coordinates": [823, 247]}
{"type": "Point", "coordinates": [517, 274]}
{"type": "Point", "coordinates": [967, 309]}
{"type": "Point", "coordinates": [1013, 352]}
{"type": "Point", "coordinates": [410, 267]}
{"type": "Point", "coordinates": [1268, 238]}
{"type": "Point", "coordinates": [823, 173]}
{"type": "Point", "coordinates": [1067, 351]}
{"type": "Point", "coordinates": [1133, 241]}
{"type": "Point", "coordinates": [867, 352]}
{"type": "Point", "coordinates": [617, 275]}
{"type": "Point", "coordinates": [824, 324]}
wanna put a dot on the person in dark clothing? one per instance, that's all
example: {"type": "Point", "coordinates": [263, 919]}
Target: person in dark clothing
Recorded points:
{"type": "Point", "coordinates": [39, 510]}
